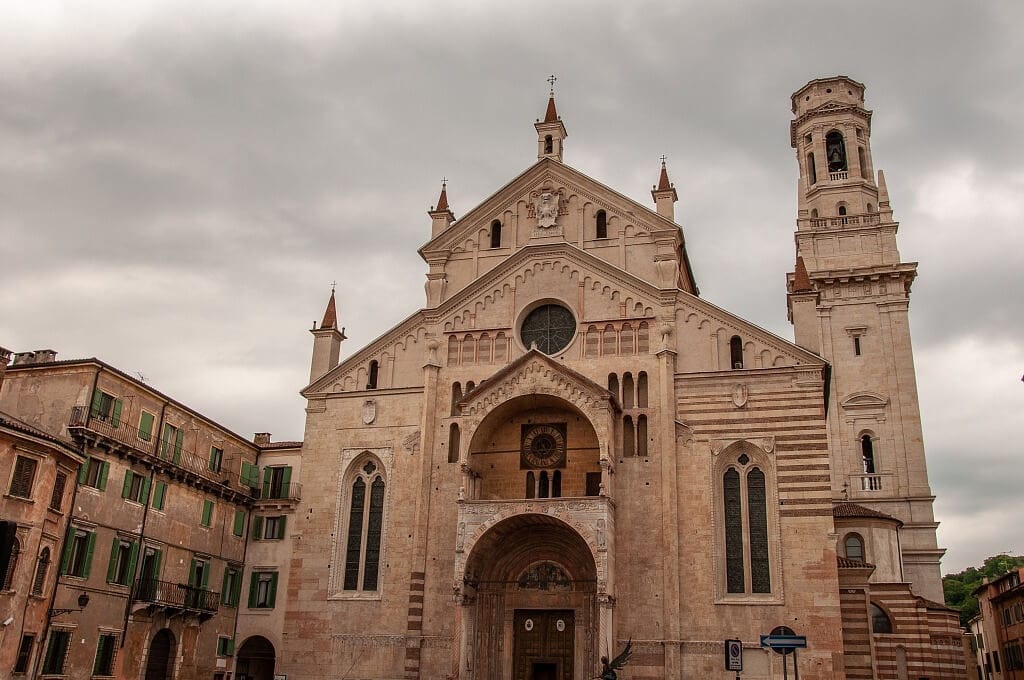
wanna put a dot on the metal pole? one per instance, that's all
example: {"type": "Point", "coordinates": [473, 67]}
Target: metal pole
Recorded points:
{"type": "Point", "coordinates": [796, 667]}
{"type": "Point", "coordinates": [785, 666]}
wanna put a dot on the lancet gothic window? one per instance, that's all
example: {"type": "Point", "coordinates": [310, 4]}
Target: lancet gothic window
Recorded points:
{"type": "Point", "coordinates": [867, 452]}
{"type": "Point", "coordinates": [601, 222]}
{"type": "Point", "coordinates": [371, 381]}
{"type": "Point", "coordinates": [495, 234]}
{"type": "Point", "coordinates": [365, 527]}
{"type": "Point", "coordinates": [745, 510]}
{"type": "Point", "coordinates": [736, 351]}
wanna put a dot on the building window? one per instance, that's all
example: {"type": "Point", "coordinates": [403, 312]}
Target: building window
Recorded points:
{"type": "Point", "coordinates": [42, 567]}
{"type": "Point", "coordinates": [593, 483]}
{"type": "Point", "coordinates": [216, 458]}
{"type": "Point", "coordinates": [865, 173]}
{"type": "Point", "coordinates": [106, 407]}
{"type": "Point", "coordinates": [94, 474]}
{"type": "Point", "coordinates": [628, 437]}
{"type": "Point", "coordinates": [531, 485]}
{"type": "Point", "coordinates": [171, 442]}
{"type": "Point", "coordinates": [225, 646]}
{"type": "Point", "coordinates": [745, 511]}
{"type": "Point", "coordinates": [456, 398]}
{"type": "Point", "coordinates": [56, 652]}
{"type": "Point", "coordinates": [121, 568]}
{"type": "Point", "coordinates": [548, 144]}
{"type": "Point", "coordinates": [853, 545]}
{"type": "Point", "coordinates": [238, 527]}
{"type": "Point", "coordinates": [371, 381]}
{"type": "Point", "coordinates": [249, 475]}
{"type": "Point", "coordinates": [736, 351]}
{"type": "Point", "coordinates": [880, 622]}
{"type": "Point", "coordinates": [263, 590]}
{"type": "Point", "coordinates": [812, 171]}
{"type": "Point", "coordinates": [231, 586]}
{"type": "Point", "coordinates": [365, 522]}
{"type": "Point", "coordinates": [613, 385]}
{"type": "Point", "coordinates": [199, 573]}
{"type": "Point", "coordinates": [24, 655]}
{"type": "Point", "coordinates": [628, 393]}
{"type": "Point", "coordinates": [24, 475]}
{"type": "Point", "coordinates": [277, 482]}
{"type": "Point", "coordinates": [78, 551]}
{"type": "Point", "coordinates": [495, 234]}
{"type": "Point", "coordinates": [106, 650]}
{"type": "Point", "coordinates": [206, 518]}
{"type": "Point", "coordinates": [641, 390]}
{"type": "Point", "coordinates": [146, 420]}
{"type": "Point", "coordinates": [57, 495]}
{"type": "Point", "coordinates": [454, 443]}
{"type": "Point", "coordinates": [135, 487]}
{"type": "Point", "coordinates": [641, 436]}
{"type": "Point", "coordinates": [867, 454]}
{"type": "Point", "coordinates": [856, 345]}
{"type": "Point", "coordinates": [835, 151]}
{"type": "Point", "coordinates": [12, 565]}
{"type": "Point", "coordinates": [601, 224]}
{"type": "Point", "coordinates": [273, 528]}
{"type": "Point", "coordinates": [159, 495]}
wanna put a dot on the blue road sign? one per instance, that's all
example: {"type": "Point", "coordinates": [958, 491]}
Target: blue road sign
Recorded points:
{"type": "Point", "coordinates": [784, 641]}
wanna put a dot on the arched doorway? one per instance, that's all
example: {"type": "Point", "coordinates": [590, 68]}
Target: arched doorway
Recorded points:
{"type": "Point", "coordinates": [531, 582]}
{"type": "Point", "coordinates": [160, 660]}
{"type": "Point", "coordinates": [255, 659]}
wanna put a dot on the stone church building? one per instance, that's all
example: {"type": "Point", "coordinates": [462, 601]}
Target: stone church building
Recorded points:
{"type": "Point", "coordinates": [567, 447]}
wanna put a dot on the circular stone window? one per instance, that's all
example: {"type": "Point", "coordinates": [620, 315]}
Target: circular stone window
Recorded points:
{"type": "Point", "coordinates": [550, 327]}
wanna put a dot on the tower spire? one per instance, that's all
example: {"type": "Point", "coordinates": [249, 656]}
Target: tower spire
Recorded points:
{"type": "Point", "coordinates": [326, 341]}
{"type": "Point", "coordinates": [551, 132]}
{"type": "Point", "coordinates": [441, 216]}
{"type": "Point", "coordinates": [664, 193]}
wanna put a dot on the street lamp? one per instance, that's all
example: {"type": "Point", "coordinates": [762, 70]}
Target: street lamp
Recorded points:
{"type": "Point", "coordinates": [83, 601]}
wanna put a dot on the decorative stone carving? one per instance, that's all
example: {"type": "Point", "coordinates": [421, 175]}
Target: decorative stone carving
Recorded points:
{"type": "Point", "coordinates": [369, 411]}
{"type": "Point", "coordinates": [412, 443]}
{"type": "Point", "coordinates": [740, 395]}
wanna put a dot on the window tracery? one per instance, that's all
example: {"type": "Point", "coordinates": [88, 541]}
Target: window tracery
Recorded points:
{"type": "Point", "coordinates": [365, 523]}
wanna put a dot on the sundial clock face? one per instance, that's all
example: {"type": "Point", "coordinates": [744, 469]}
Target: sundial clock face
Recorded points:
{"type": "Point", "coordinates": [543, 446]}
{"type": "Point", "coordinates": [550, 327]}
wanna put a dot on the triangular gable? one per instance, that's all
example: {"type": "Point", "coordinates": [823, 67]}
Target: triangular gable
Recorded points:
{"type": "Point", "coordinates": [547, 169]}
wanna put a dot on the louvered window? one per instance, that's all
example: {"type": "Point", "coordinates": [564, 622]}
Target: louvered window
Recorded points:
{"type": "Point", "coordinates": [24, 475]}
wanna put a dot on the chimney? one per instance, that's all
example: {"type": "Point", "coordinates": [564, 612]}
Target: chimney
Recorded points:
{"type": "Point", "coordinates": [39, 356]}
{"type": "Point", "coordinates": [5, 357]}
{"type": "Point", "coordinates": [261, 439]}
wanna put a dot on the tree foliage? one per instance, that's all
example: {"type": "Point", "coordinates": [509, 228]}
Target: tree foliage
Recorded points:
{"type": "Point", "coordinates": [958, 588]}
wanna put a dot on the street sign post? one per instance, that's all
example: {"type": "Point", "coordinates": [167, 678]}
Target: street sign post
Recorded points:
{"type": "Point", "coordinates": [784, 640]}
{"type": "Point", "coordinates": [733, 655]}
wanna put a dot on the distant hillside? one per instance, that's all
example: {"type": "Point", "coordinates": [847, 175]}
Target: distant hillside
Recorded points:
{"type": "Point", "coordinates": [958, 587]}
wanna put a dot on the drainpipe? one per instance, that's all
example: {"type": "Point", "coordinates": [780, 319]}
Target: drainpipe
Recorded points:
{"type": "Point", "coordinates": [142, 534]}
{"type": "Point", "coordinates": [56, 584]}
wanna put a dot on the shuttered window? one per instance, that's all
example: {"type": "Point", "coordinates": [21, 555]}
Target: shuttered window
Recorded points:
{"type": "Point", "coordinates": [57, 495]}
{"type": "Point", "coordinates": [263, 590]}
{"type": "Point", "coordinates": [24, 475]}
{"type": "Point", "coordinates": [207, 517]}
{"type": "Point", "coordinates": [56, 652]}
{"type": "Point", "coordinates": [146, 426]}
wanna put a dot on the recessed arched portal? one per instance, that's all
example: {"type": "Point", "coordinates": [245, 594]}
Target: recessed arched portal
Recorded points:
{"type": "Point", "coordinates": [160, 659]}
{"type": "Point", "coordinates": [530, 601]}
{"type": "Point", "coordinates": [256, 659]}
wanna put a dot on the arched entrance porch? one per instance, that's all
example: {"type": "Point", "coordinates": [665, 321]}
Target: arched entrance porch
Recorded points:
{"type": "Point", "coordinates": [529, 603]}
{"type": "Point", "coordinates": [256, 659]}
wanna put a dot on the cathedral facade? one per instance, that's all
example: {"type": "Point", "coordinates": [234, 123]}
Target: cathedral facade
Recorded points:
{"type": "Point", "coordinates": [566, 451]}
{"type": "Point", "coordinates": [568, 448]}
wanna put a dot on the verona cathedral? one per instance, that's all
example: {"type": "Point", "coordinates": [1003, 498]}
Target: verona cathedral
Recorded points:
{"type": "Point", "coordinates": [568, 450]}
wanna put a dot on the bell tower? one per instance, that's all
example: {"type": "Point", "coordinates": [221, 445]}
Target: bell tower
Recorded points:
{"type": "Point", "coordinates": [848, 300]}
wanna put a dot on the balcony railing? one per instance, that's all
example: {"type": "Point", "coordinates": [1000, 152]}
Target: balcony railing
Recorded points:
{"type": "Point", "coordinates": [870, 483]}
{"type": "Point", "coordinates": [290, 491]}
{"type": "Point", "coordinates": [835, 176]}
{"type": "Point", "coordinates": [176, 596]}
{"type": "Point", "coordinates": [155, 447]}
{"type": "Point", "coordinates": [844, 221]}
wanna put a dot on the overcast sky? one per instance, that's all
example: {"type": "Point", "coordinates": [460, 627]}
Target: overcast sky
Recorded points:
{"type": "Point", "coordinates": [180, 182]}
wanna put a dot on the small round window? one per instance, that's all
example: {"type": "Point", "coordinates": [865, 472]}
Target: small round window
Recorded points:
{"type": "Point", "coordinates": [550, 327]}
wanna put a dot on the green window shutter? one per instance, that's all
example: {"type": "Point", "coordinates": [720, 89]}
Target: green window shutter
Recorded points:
{"type": "Point", "coordinates": [115, 419]}
{"type": "Point", "coordinates": [126, 489]}
{"type": "Point", "coordinates": [66, 557]}
{"type": "Point", "coordinates": [101, 482]}
{"type": "Point", "coordinates": [266, 483]}
{"type": "Point", "coordinates": [83, 471]}
{"type": "Point", "coordinates": [239, 527]}
{"type": "Point", "coordinates": [192, 572]}
{"type": "Point", "coordinates": [158, 558]}
{"type": "Point", "coordinates": [286, 480]}
{"type": "Point", "coordinates": [178, 439]}
{"type": "Point", "coordinates": [272, 597]}
{"type": "Point", "coordinates": [225, 594]}
{"type": "Point", "coordinates": [145, 491]}
{"type": "Point", "coordinates": [207, 513]}
{"type": "Point", "coordinates": [253, 587]}
{"type": "Point", "coordinates": [146, 426]}
{"type": "Point", "coordinates": [112, 564]}
{"type": "Point", "coordinates": [158, 495]}
{"type": "Point", "coordinates": [90, 545]}
{"type": "Point", "coordinates": [206, 577]}
{"type": "Point", "coordinates": [280, 526]}
{"type": "Point", "coordinates": [257, 528]}
{"type": "Point", "coordinates": [236, 591]}
{"type": "Point", "coordinates": [133, 557]}
{"type": "Point", "coordinates": [97, 397]}
{"type": "Point", "coordinates": [229, 647]}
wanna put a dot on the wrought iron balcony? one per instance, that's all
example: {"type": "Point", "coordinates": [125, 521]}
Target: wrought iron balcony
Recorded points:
{"type": "Point", "coordinates": [123, 437]}
{"type": "Point", "coordinates": [176, 596]}
{"type": "Point", "coordinates": [290, 491]}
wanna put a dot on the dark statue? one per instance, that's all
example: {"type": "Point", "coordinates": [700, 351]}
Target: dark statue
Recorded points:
{"type": "Point", "coordinates": [608, 668]}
